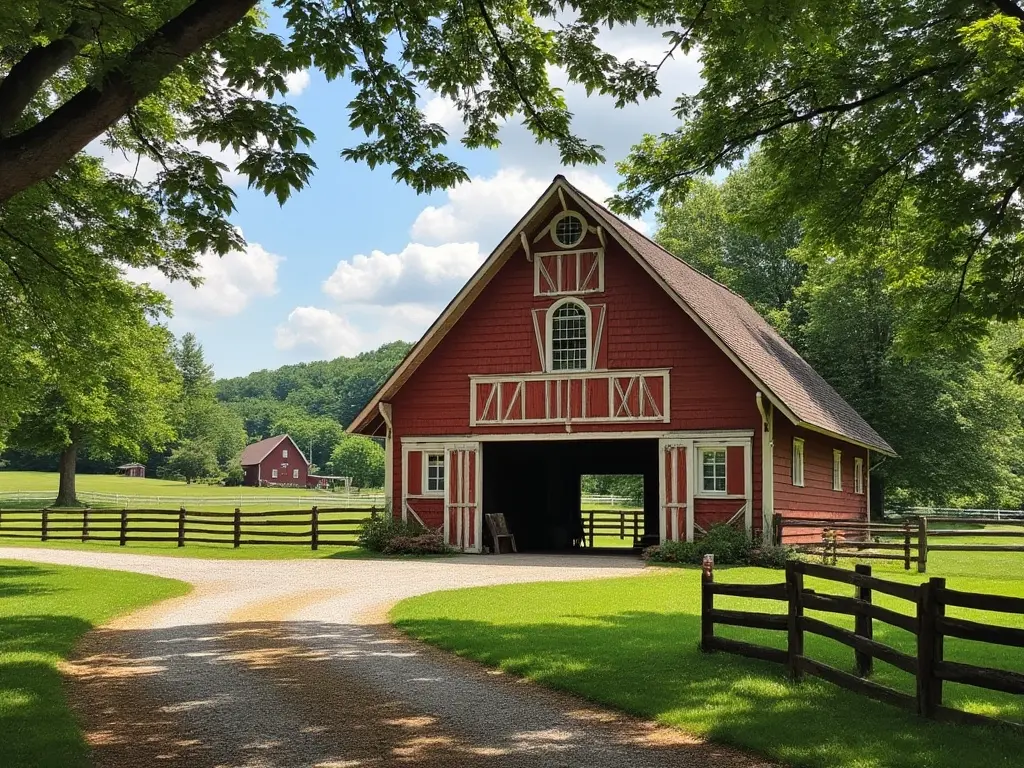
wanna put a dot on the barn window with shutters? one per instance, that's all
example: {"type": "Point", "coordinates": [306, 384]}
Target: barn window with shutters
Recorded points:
{"type": "Point", "coordinates": [858, 475]}
{"type": "Point", "coordinates": [435, 473]}
{"type": "Point", "coordinates": [712, 461]}
{"type": "Point", "coordinates": [569, 334]}
{"type": "Point", "coordinates": [837, 470]}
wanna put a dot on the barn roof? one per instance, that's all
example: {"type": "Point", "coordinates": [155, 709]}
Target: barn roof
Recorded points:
{"type": "Point", "coordinates": [784, 377]}
{"type": "Point", "coordinates": [257, 452]}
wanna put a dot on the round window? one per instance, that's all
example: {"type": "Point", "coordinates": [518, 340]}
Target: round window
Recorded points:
{"type": "Point", "coordinates": [568, 230]}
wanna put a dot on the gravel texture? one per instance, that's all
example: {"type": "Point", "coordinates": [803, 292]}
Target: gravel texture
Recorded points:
{"type": "Point", "coordinates": [290, 663]}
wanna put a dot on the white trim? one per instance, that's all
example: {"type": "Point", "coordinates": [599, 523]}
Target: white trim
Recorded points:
{"type": "Point", "coordinates": [767, 466]}
{"type": "Point", "coordinates": [565, 214]}
{"type": "Point", "coordinates": [549, 360]}
{"type": "Point", "coordinates": [798, 443]}
{"type": "Point", "coordinates": [546, 284]}
{"type": "Point", "coordinates": [734, 437]}
{"type": "Point", "coordinates": [837, 470]}
{"type": "Point", "coordinates": [541, 347]}
{"type": "Point", "coordinates": [748, 487]}
{"type": "Point", "coordinates": [713, 493]}
{"type": "Point", "coordinates": [526, 245]}
{"type": "Point", "coordinates": [385, 410]}
{"type": "Point", "coordinates": [858, 475]}
{"type": "Point", "coordinates": [273, 474]}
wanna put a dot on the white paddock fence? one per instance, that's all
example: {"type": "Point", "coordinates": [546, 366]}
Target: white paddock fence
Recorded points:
{"type": "Point", "coordinates": [355, 497]}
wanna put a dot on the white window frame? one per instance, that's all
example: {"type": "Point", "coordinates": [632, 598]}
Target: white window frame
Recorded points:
{"type": "Point", "coordinates": [273, 474]}
{"type": "Point", "coordinates": [798, 462]}
{"type": "Point", "coordinates": [295, 474]}
{"type": "Point", "coordinates": [553, 226]}
{"type": "Point", "coordinates": [588, 349]}
{"type": "Point", "coordinates": [837, 470]}
{"type": "Point", "coordinates": [284, 453]}
{"type": "Point", "coordinates": [425, 486]}
{"type": "Point", "coordinates": [858, 475]}
{"type": "Point", "coordinates": [701, 452]}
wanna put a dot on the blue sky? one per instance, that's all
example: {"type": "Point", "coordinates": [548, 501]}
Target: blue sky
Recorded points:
{"type": "Point", "coordinates": [356, 260]}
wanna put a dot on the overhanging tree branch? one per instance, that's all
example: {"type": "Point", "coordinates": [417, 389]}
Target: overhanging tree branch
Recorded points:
{"type": "Point", "coordinates": [38, 152]}
{"type": "Point", "coordinates": [1010, 8]}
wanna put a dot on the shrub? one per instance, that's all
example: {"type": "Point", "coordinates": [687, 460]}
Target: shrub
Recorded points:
{"type": "Point", "coordinates": [772, 555]}
{"type": "Point", "coordinates": [379, 532]}
{"type": "Point", "coordinates": [429, 543]}
{"type": "Point", "coordinates": [234, 475]}
{"type": "Point", "coordinates": [729, 545]}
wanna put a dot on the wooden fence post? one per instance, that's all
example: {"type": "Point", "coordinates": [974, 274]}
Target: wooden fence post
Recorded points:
{"type": "Point", "coordinates": [922, 544]}
{"type": "Point", "coordinates": [863, 625]}
{"type": "Point", "coordinates": [314, 528]}
{"type": "Point", "coordinates": [44, 532]}
{"type": "Point", "coordinates": [622, 525]}
{"type": "Point", "coordinates": [707, 604]}
{"type": "Point", "coordinates": [181, 526]}
{"type": "Point", "coordinates": [929, 647]}
{"type": "Point", "coordinates": [777, 529]}
{"type": "Point", "coordinates": [85, 524]}
{"type": "Point", "coordinates": [906, 545]}
{"type": "Point", "coordinates": [591, 529]}
{"type": "Point", "coordinates": [237, 520]}
{"type": "Point", "coordinates": [795, 639]}
{"type": "Point", "coordinates": [124, 528]}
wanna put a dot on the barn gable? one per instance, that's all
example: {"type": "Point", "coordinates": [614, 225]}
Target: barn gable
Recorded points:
{"type": "Point", "coordinates": [756, 349]}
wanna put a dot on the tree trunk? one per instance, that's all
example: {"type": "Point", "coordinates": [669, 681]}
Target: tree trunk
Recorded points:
{"type": "Point", "coordinates": [66, 496]}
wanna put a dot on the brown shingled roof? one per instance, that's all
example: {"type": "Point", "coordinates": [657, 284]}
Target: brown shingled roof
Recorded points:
{"type": "Point", "coordinates": [757, 348]}
{"type": "Point", "coordinates": [257, 452]}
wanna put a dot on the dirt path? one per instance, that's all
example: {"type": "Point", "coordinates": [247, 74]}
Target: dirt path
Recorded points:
{"type": "Point", "coordinates": [284, 664]}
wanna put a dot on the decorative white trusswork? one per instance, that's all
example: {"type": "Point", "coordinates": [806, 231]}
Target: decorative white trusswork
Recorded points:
{"type": "Point", "coordinates": [676, 493]}
{"type": "Point", "coordinates": [561, 273]}
{"type": "Point", "coordinates": [570, 397]}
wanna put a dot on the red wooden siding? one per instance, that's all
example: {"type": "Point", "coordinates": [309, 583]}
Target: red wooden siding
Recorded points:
{"type": "Point", "coordinates": [285, 466]}
{"type": "Point", "coordinates": [816, 499]}
{"type": "Point", "coordinates": [430, 510]}
{"type": "Point", "coordinates": [708, 512]}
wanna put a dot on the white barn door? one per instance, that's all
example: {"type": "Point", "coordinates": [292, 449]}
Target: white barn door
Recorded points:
{"type": "Point", "coordinates": [463, 518]}
{"type": "Point", "coordinates": [676, 493]}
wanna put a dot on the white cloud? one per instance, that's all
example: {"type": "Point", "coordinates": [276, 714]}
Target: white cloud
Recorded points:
{"type": "Point", "coordinates": [318, 331]}
{"type": "Point", "coordinates": [485, 209]}
{"type": "Point", "coordinates": [145, 170]}
{"type": "Point", "coordinates": [442, 110]}
{"type": "Point", "coordinates": [297, 81]}
{"type": "Point", "coordinates": [418, 272]}
{"type": "Point", "coordinates": [230, 282]}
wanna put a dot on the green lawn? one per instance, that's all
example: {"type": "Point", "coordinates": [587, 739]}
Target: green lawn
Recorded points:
{"type": "Point", "coordinates": [203, 551]}
{"type": "Point", "coordinates": [169, 494]}
{"type": "Point", "coordinates": [44, 609]}
{"type": "Point", "coordinates": [632, 644]}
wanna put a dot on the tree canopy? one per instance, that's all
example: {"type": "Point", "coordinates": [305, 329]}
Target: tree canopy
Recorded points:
{"type": "Point", "coordinates": [861, 106]}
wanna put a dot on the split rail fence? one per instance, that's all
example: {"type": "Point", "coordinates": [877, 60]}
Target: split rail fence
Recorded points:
{"type": "Point", "coordinates": [311, 528]}
{"type": "Point", "coordinates": [928, 623]}
{"type": "Point", "coordinates": [908, 541]}
{"type": "Point", "coordinates": [625, 524]}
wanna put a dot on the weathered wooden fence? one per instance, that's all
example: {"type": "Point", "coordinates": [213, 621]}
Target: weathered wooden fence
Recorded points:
{"type": "Point", "coordinates": [908, 541]}
{"type": "Point", "coordinates": [928, 623]}
{"type": "Point", "coordinates": [626, 524]}
{"type": "Point", "coordinates": [311, 528]}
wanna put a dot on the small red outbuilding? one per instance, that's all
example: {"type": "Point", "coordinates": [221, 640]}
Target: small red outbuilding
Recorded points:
{"type": "Point", "coordinates": [580, 346]}
{"type": "Point", "coordinates": [274, 461]}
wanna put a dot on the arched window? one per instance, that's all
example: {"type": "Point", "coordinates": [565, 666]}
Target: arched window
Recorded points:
{"type": "Point", "coordinates": [569, 332]}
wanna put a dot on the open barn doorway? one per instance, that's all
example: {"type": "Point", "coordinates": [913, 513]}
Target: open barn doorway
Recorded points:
{"type": "Point", "coordinates": [612, 509]}
{"type": "Point", "coordinates": [537, 486]}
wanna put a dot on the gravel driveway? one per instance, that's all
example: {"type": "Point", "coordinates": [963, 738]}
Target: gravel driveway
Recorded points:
{"type": "Point", "coordinates": [291, 663]}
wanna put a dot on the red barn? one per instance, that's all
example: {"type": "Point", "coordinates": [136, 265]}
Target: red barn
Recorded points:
{"type": "Point", "coordinates": [274, 461]}
{"type": "Point", "coordinates": [582, 347]}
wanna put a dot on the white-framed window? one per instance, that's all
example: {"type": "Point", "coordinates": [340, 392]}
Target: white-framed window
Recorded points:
{"type": "Point", "coordinates": [273, 474]}
{"type": "Point", "coordinates": [798, 461]}
{"type": "Point", "coordinates": [568, 229]}
{"type": "Point", "coordinates": [569, 336]}
{"type": "Point", "coordinates": [712, 467]}
{"type": "Point", "coordinates": [858, 475]}
{"type": "Point", "coordinates": [284, 453]}
{"type": "Point", "coordinates": [295, 474]}
{"type": "Point", "coordinates": [433, 468]}
{"type": "Point", "coordinates": [837, 470]}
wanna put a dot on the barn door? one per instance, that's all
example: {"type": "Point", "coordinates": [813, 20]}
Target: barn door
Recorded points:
{"type": "Point", "coordinates": [462, 515]}
{"type": "Point", "coordinates": [676, 523]}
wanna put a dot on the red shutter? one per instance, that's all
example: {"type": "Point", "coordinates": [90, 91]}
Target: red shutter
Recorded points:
{"type": "Point", "coordinates": [414, 473]}
{"type": "Point", "coordinates": [736, 472]}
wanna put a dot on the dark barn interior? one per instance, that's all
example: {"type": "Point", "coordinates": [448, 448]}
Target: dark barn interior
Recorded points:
{"type": "Point", "coordinates": [536, 485]}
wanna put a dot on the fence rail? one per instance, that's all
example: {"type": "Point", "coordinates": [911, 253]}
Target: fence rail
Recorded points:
{"type": "Point", "coordinates": [626, 524]}
{"type": "Point", "coordinates": [928, 623]}
{"type": "Point", "coordinates": [314, 527]}
{"type": "Point", "coordinates": [908, 541]}
{"type": "Point", "coordinates": [369, 497]}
